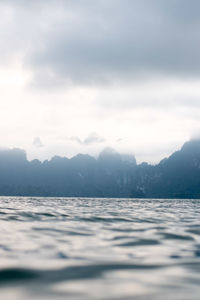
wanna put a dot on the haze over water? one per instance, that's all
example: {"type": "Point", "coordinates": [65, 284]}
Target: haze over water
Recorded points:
{"type": "Point", "coordinates": [64, 248]}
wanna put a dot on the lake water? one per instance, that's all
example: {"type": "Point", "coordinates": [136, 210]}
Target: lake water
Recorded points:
{"type": "Point", "coordinates": [87, 249]}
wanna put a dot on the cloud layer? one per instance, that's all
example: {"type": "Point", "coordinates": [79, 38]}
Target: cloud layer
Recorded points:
{"type": "Point", "coordinates": [127, 69]}
{"type": "Point", "coordinates": [90, 42]}
{"type": "Point", "coordinates": [93, 138]}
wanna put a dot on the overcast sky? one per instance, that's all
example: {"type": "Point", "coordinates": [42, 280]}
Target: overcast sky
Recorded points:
{"type": "Point", "coordinates": [82, 75]}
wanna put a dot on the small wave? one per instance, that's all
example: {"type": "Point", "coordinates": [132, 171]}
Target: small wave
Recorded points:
{"type": "Point", "coordinates": [104, 219]}
{"type": "Point", "coordinates": [140, 242]}
{"type": "Point", "coordinates": [194, 231]}
{"type": "Point", "coordinates": [173, 236]}
{"type": "Point", "coordinates": [68, 273]}
{"type": "Point", "coordinates": [15, 274]}
{"type": "Point", "coordinates": [61, 231]}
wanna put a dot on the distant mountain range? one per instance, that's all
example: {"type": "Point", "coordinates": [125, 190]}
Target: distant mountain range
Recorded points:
{"type": "Point", "coordinates": [110, 175]}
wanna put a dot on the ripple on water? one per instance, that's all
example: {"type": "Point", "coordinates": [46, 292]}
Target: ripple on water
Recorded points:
{"type": "Point", "coordinates": [100, 249]}
{"type": "Point", "coordinates": [173, 236]}
{"type": "Point", "coordinates": [69, 273]}
{"type": "Point", "coordinates": [139, 242]}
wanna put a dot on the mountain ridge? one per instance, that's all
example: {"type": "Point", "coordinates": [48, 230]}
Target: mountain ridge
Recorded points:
{"type": "Point", "coordinates": [110, 175]}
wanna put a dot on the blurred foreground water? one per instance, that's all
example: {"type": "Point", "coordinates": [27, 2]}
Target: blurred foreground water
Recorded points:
{"type": "Point", "coordinates": [87, 249]}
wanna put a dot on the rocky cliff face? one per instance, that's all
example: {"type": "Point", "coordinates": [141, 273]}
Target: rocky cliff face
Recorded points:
{"type": "Point", "coordinates": [175, 177]}
{"type": "Point", "coordinates": [110, 175]}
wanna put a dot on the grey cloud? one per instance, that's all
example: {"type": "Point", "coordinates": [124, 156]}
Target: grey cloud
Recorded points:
{"type": "Point", "coordinates": [93, 138]}
{"type": "Point", "coordinates": [37, 142]}
{"type": "Point", "coordinates": [90, 42]}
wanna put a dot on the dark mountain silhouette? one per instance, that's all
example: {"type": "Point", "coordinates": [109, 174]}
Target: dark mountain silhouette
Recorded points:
{"type": "Point", "coordinates": [175, 177]}
{"type": "Point", "coordinates": [82, 175]}
{"type": "Point", "coordinates": [110, 175]}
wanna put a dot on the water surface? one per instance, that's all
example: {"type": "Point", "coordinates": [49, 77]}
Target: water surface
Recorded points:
{"type": "Point", "coordinates": [88, 249]}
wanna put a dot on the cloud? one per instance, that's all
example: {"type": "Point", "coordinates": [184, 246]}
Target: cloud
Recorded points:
{"type": "Point", "coordinates": [123, 67]}
{"type": "Point", "coordinates": [97, 42]}
{"type": "Point", "coordinates": [93, 138]}
{"type": "Point", "coordinates": [37, 142]}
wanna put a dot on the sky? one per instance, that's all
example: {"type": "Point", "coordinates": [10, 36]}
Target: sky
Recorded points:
{"type": "Point", "coordinates": [77, 76]}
